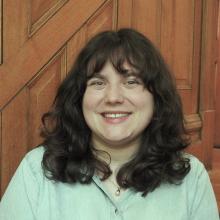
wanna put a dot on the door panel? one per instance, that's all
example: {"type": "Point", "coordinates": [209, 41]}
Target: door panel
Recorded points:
{"type": "Point", "coordinates": [39, 48]}
{"type": "Point", "coordinates": [14, 135]}
{"type": "Point", "coordinates": [41, 92]}
{"type": "Point", "coordinates": [41, 11]}
{"type": "Point", "coordinates": [108, 17]}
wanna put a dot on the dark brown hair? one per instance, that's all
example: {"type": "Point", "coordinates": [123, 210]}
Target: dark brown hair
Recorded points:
{"type": "Point", "coordinates": [68, 153]}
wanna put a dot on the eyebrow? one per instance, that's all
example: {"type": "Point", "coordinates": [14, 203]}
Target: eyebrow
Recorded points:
{"type": "Point", "coordinates": [127, 73]}
{"type": "Point", "coordinates": [96, 75]}
{"type": "Point", "coordinates": [131, 73]}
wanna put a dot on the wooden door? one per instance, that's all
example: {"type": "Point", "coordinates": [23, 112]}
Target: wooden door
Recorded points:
{"type": "Point", "coordinates": [41, 38]}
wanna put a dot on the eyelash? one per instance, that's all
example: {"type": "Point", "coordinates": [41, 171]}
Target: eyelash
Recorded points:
{"type": "Point", "coordinates": [97, 83]}
{"type": "Point", "coordinates": [100, 83]}
{"type": "Point", "coordinates": [133, 81]}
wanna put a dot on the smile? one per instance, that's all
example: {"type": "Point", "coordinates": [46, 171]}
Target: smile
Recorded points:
{"type": "Point", "coordinates": [115, 118]}
{"type": "Point", "coordinates": [115, 115]}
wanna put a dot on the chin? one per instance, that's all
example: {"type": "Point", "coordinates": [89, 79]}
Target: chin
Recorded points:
{"type": "Point", "coordinates": [114, 141]}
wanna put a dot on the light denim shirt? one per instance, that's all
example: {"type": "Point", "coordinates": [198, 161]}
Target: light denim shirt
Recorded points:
{"type": "Point", "coordinates": [31, 196]}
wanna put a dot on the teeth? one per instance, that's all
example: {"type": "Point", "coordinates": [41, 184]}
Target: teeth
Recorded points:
{"type": "Point", "coordinates": [115, 115]}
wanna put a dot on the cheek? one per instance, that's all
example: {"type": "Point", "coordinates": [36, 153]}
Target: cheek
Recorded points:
{"type": "Point", "coordinates": [90, 102]}
{"type": "Point", "coordinates": [87, 100]}
{"type": "Point", "coordinates": [145, 107]}
{"type": "Point", "coordinates": [144, 101]}
{"type": "Point", "coordinates": [148, 104]}
{"type": "Point", "coordinates": [86, 104]}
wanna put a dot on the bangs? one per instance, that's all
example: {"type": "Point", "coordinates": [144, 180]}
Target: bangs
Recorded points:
{"type": "Point", "coordinates": [119, 51]}
{"type": "Point", "coordinates": [117, 56]}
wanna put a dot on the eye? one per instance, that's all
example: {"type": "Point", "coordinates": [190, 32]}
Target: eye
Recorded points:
{"type": "Point", "coordinates": [96, 83]}
{"type": "Point", "coordinates": [132, 82]}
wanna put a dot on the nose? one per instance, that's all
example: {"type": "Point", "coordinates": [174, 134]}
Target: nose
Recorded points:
{"type": "Point", "coordinates": [114, 95]}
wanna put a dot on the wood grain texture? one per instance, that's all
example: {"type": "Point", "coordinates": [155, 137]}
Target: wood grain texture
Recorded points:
{"type": "Point", "coordinates": [41, 11]}
{"type": "Point", "coordinates": [42, 46]}
{"type": "Point", "coordinates": [208, 55]}
{"type": "Point", "coordinates": [207, 85]}
{"type": "Point", "coordinates": [0, 151]}
{"type": "Point", "coordinates": [104, 19]}
{"type": "Point", "coordinates": [217, 89]}
{"type": "Point", "coordinates": [146, 17]}
{"type": "Point", "coordinates": [42, 90]}
{"type": "Point", "coordinates": [15, 27]}
{"type": "Point", "coordinates": [1, 33]}
{"type": "Point", "coordinates": [193, 125]}
{"type": "Point", "coordinates": [177, 28]}
{"type": "Point", "coordinates": [107, 14]}
{"type": "Point", "coordinates": [178, 45]}
{"type": "Point", "coordinates": [125, 13]}
{"type": "Point", "coordinates": [39, 7]}
{"type": "Point", "coordinates": [74, 45]}
{"type": "Point", "coordinates": [14, 136]}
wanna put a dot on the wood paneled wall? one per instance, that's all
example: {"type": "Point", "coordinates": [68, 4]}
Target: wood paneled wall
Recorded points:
{"type": "Point", "coordinates": [41, 38]}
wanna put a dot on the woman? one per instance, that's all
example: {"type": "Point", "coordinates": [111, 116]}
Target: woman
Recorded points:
{"type": "Point", "coordinates": [113, 144]}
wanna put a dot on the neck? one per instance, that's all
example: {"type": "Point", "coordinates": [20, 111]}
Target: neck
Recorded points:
{"type": "Point", "coordinates": [120, 154]}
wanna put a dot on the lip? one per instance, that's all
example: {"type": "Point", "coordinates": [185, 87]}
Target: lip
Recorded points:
{"type": "Point", "coordinates": [117, 120]}
{"type": "Point", "coordinates": [115, 112]}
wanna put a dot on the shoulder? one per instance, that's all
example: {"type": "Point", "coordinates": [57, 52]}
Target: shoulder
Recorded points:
{"type": "Point", "coordinates": [32, 161]}
{"type": "Point", "coordinates": [35, 155]}
{"type": "Point", "coordinates": [197, 168]}
{"type": "Point", "coordinates": [197, 180]}
{"type": "Point", "coordinates": [200, 195]}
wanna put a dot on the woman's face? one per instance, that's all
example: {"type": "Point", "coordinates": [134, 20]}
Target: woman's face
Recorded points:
{"type": "Point", "coordinates": [117, 108]}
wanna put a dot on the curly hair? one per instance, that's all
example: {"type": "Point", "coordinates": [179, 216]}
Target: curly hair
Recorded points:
{"type": "Point", "coordinates": [69, 155]}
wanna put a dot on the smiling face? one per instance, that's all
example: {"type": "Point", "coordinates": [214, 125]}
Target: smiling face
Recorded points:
{"type": "Point", "coordinates": [117, 107]}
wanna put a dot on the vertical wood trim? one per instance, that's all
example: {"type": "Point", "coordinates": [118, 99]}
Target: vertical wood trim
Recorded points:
{"type": "Point", "coordinates": [125, 13]}
{"type": "Point", "coordinates": [1, 33]}
{"type": "Point", "coordinates": [217, 89]}
{"type": "Point", "coordinates": [207, 83]}
{"type": "Point", "coordinates": [207, 138]}
{"type": "Point", "coordinates": [196, 54]}
{"type": "Point", "coordinates": [208, 55]}
{"type": "Point", "coordinates": [115, 14]}
{"type": "Point", "coordinates": [0, 154]}
{"type": "Point", "coordinates": [63, 67]}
